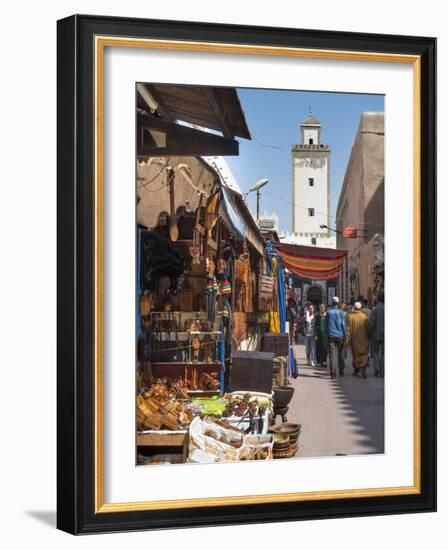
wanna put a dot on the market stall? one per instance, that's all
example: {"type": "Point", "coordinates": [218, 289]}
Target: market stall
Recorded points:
{"type": "Point", "coordinates": [196, 291]}
{"type": "Point", "coordinates": [206, 287]}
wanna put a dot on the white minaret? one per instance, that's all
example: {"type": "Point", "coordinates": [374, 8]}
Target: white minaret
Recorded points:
{"type": "Point", "coordinates": [311, 187]}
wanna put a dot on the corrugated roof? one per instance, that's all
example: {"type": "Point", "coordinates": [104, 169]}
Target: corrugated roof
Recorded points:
{"type": "Point", "coordinates": [213, 107]}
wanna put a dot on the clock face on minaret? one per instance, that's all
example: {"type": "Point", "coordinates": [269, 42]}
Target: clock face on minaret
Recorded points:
{"type": "Point", "coordinates": [310, 180]}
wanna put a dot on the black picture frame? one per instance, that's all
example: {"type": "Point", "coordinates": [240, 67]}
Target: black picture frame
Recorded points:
{"type": "Point", "coordinates": [76, 255]}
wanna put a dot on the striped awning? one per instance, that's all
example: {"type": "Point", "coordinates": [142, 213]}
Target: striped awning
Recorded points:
{"type": "Point", "coordinates": [311, 262]}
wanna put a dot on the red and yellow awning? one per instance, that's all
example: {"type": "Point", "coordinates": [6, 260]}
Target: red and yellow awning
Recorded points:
{"type": "Point", "coordinates": [311, 262]}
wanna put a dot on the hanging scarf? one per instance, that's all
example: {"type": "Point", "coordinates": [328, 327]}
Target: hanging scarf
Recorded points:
{"type": "Point", "coordinates": [212, 289]}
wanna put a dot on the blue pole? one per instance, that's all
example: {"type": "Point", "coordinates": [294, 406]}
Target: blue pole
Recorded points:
{"type": "Point", "coordinates": [221, 358]}
{"type": "Point", "coordinates": [281, 295]}
{"type": "Point", "coordinates": [138, 292]}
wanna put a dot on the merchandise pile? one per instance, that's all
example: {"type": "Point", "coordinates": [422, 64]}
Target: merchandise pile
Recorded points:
{"type": "Point", "coordinates": [214, 440]}
{"type": "Point", "coordinates": [286, 438]}
{"type": "Point", "coordinates": [160, 408]}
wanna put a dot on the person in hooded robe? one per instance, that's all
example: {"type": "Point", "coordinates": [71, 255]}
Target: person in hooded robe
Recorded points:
{"type": "Point", "coordinates": [358, 328]}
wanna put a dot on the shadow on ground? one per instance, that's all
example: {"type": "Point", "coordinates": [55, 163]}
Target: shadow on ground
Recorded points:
{"type": "Point", "coordinates": [47, 517]}
{"type": "Point", "coordinates": [343, 416]}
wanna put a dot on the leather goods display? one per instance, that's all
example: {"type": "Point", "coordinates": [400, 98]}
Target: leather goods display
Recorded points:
{"type": "Point", "coordinates": [240, 327]}
{"type": "Point", "coordinates": [242, 269]}
{"type": "Point", "coordinates": [265, 292]}
{"type": "Point", "coordinates": [211, 213]}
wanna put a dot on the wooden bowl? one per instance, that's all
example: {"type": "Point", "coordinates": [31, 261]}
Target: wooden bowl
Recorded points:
{"type": "Point", "coordinates": [287, 428]}
{"type": "Point", "coordinates": [281, 438]}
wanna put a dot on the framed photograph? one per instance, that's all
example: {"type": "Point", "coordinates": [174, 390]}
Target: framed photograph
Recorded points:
{"type": "Point", "coordinates": [246, 274]}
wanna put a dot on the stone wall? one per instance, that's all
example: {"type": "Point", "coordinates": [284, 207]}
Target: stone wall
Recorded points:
{"type": "Point", "coordinates": [361, 204]}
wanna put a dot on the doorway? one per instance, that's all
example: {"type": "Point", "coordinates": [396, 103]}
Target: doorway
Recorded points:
{"type": "Point", "coordinates": [315, 295]}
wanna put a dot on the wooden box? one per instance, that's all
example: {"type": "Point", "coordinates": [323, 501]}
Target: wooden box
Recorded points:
{"type": "Point", "coordinates": [252, 371]}
{"type": "Point", "coordinates": [276, 343]}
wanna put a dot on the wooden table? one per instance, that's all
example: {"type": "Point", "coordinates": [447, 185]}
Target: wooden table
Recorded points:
{"type": "Point", "coordinates": [164, 438]}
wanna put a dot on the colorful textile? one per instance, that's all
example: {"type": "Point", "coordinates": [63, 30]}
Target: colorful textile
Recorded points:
{"type": "Point", "coordinates": [226, 288]}
{"type": "Point", "coordinates": [311, 262]}
{"type": "Point", "coordinates": [274, 321]}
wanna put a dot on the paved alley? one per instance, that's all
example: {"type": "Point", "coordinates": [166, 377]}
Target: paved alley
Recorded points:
{"type": "Point", "coordinates": [343, 416]}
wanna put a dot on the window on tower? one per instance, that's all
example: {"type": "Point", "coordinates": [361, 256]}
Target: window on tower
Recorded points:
{"type": "Point", "coordinates": [310, 141]}
{"type": "Point", "coordinates": [310, 211]}
{"type": "Point", "coordinates": [311, 182]}
{"type": "Point", "coordinates": [313, 240]}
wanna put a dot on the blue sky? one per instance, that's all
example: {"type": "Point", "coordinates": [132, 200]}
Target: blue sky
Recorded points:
{"type": "Point", "coordinates": [274, 118]}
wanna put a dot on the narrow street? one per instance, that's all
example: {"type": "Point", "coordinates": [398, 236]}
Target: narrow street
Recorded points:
{"type": "Point", "coordinates": [343, 416]}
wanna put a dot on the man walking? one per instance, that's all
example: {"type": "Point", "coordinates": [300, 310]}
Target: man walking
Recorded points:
{"type": "Point", "coordinates": [358, 332]}
{"type": "Point", "coordinates": [309, 322]}
{"type": "Point", "coordinates": [376, 330]}
{"type": "Point", "coordinates": [365, 308]}
{"type": "Point", "coordinates": [337, 334]}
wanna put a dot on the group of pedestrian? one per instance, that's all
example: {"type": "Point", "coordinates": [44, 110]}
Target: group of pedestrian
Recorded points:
{"type": "Point", "coordinates": [329, 332]}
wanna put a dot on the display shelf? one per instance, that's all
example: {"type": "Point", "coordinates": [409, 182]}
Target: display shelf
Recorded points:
{"type": "Point", "coordinates": [176, 312]}
{"type": "Point", "coordinates": [189, 363]}
{"type": "Point", "coordinates": [187, 332]}
{"type": "Point", "coordinates": [184, 369]}
{"type": "Point", "coordinates": [194, 332]}
{"type": "Point", "coordinates": [203, 393]}
{"type": "Point", "coordinates": [164, 438]}
{"type": "Point", "coordinates": [163, 432]}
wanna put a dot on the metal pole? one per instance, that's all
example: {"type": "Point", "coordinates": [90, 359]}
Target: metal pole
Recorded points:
{"type": "Point", "coordinates": [258, 204]}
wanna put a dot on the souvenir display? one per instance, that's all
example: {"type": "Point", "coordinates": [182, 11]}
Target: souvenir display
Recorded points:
{"type": "Point", "coordinates": [222, 279]}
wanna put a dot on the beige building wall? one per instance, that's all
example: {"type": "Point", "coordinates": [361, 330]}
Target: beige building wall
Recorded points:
{"type": "Point", "coordinates": [361, 204]}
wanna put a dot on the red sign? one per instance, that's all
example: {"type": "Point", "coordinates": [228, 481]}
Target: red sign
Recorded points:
{"type": "Point", "coordinates": [349, 232]}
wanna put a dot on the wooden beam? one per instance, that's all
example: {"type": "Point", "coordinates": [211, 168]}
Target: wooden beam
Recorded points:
{"type": "Point", "coordinates": [220, 113]}
{"type": "Point", "coordinates": [147, 97]}
{"type": "Point", "coordinates": [154, 439]}
{"type": "Point", "coordinates": [161, 105]}
{"type": "Point", "coordinates": [180, 140]}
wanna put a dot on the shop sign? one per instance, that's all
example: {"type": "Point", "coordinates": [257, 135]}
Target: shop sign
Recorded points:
{"type": "Point", "coordinates": [349, 232]}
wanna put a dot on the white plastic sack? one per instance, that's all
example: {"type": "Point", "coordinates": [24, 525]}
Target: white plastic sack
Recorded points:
{"type": "Point", "coordinates": [209, 442]}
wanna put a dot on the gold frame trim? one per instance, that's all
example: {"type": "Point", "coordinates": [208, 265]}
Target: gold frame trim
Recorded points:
{"type": "Point", "coordinates": [101, 42]}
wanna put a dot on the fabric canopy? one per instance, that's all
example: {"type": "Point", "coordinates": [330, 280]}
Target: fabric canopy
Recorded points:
{"type": "Point", "coordinates": [241, 218]}
{"type": "Point", "coordinates": [311, 262]}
